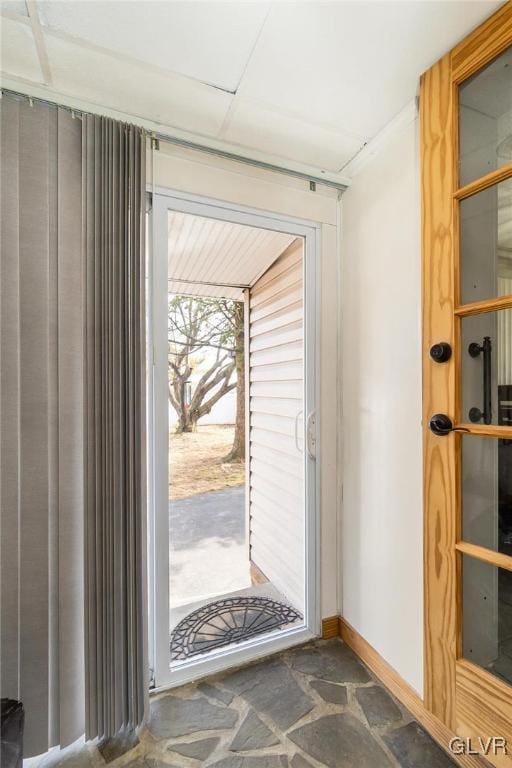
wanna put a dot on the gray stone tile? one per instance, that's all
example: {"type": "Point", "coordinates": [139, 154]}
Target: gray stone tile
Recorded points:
{"type": "Point", "coordinates": [378, 706]}
{"type": "Point", "coordinates": [199, 750]}
{"type": "Point", "coordinates": [340, 741]}
{"type": "Point", "coordinates": [150, 762]}
{"type": "Point", "coordinates": [171, 717]}
{"type": "Point", "coordinates": [261, 761]}
{"type": "Point", "coordinates": [113, 748]}
{"type": "Point", "coordinates": [271, 689]}
{"type": "Point", "coordinates": [216, 693]}
{"type": "Point", "coordinates": [334, 662]}
{"type": "Point", "coordinates": [298, 761]}
{"type": "Point", "coordinates": [253, 734]}
{"type": "Point", "coordinates": [413, 748]}
{"type": "Point", "coordinates": [74, 756]}
{"type": "Point", "coordinates": [333, 694]}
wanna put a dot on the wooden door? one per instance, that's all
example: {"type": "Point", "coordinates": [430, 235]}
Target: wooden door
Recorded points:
{"type": "Point", "coordinates": [466, 146]}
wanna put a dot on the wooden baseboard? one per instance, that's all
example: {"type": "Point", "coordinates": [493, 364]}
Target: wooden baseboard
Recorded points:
{"type": "Point", "coordinates": [330, 627]}
{"type": "Point", "coordinates": [404, 693]}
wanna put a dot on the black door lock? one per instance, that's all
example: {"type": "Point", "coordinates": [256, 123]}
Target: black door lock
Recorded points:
{"type": "Point", "coordinates": [441, 424]}
{"type": "Point", "coordinates": [440, 352]}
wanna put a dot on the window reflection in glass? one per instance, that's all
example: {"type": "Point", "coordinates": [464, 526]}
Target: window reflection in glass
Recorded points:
{"type": "Point", "coordinates": [485, 119]}
{"type": "Point", "coordinates": [487, 617]}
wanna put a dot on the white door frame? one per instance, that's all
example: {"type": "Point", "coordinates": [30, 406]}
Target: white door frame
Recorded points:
{"type": "Point", "coordinates": [163, 201]}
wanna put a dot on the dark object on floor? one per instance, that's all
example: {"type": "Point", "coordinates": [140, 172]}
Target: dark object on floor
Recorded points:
{"type": "Point", "coordinates": [227, 621]}
{"type": "Point", "coordinates": [11, 734]}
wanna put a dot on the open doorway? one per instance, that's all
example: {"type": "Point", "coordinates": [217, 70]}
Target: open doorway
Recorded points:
{"type": "Point", "coordinates": [239, 422]}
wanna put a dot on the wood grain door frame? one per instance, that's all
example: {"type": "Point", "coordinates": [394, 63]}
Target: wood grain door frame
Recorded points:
{"type": "Point", "coordinates": [442, 313]}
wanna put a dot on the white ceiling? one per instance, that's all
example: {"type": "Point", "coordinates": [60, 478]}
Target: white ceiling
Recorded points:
{"type": "Point", "coordinates": [208, 257]}
{"type": "Point", "coordinates": [302, 84]}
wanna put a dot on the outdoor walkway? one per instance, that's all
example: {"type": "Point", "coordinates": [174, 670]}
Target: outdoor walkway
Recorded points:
{"type": "Point", "coordinates": [208, 547]}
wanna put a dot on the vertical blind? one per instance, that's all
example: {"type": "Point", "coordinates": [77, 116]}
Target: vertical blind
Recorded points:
{"type": "Point", "coordinates": [72, 440]}
{"type": "Point", "coordinates": [41, 436]}
{"type": "Point", "coordinates": [115, 508]}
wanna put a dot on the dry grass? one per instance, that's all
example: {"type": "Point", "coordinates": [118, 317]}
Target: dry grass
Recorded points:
{"type": "Point", "coordinates": [196, 461]}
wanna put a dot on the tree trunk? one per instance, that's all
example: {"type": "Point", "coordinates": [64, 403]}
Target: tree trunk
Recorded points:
{"type": "Point", "coordinates": [237, 452]}
{"type": "Point", "coordinates": [186, 423]}
{"type": "Point", "coordinates": [187, 417]}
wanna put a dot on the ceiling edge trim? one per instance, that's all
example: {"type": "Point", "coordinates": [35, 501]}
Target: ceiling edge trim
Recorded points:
{"type": "Point", "coordinates": [27, 88]}
{"type": "Point", "coordinates": [406, 116]}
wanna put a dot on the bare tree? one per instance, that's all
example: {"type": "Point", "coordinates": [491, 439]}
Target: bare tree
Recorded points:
{"type": "Point", "coordinates": [194, 325]}
{"type": "Point", "coordinates": [237, 452]}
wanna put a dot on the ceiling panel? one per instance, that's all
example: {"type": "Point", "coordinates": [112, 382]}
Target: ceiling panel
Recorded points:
{"type": "Point", "coordinates": [353, 65]}
{"type": "Point", "coordinates": [207, 41]}
{"type": "Point", "coordinates": [18, 53]}
{"type": "Point", "coordinates": [254, 125]}
{"type": "Point", "coordinates": [319, 79]}
{"type": "Point", "coordinates": [169, 99]}
{"type": "Point", "coordinates": [19, 7]}
{"type": "Point", "coordinates": [208, 257]}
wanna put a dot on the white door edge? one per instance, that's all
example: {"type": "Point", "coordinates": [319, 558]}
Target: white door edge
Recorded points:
{"type": "Point", "coordinates": [232, 657]}
{"type": "Point", "coordinates": [159, 656]}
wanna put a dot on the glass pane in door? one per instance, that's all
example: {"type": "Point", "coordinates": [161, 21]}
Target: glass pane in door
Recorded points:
{"type": "Point", "coordinates": [486, 243]}
{"type": "Point", "coordinates": [487, 492]}
{"type": "Point", "coordinates": [487, 612]}
{"type": "Point", "coordinates": [485, 119]}
{"type": "Point", "coordinates": [486, 368]}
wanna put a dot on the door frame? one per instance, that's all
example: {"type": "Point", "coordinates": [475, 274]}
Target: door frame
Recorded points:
{"type": "Point", "coordinates": [447, 676]}
{"type": "Point", "coordinates": [165, 199]}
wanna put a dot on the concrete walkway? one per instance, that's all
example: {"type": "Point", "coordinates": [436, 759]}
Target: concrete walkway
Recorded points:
{"type": "Point", "coordinates": [219, 514]}
{"type": "Point", "coordinates": [208, 548]}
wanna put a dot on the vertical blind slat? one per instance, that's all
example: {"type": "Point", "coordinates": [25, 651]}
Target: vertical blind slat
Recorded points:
{"type": "Point", "coordinates": [71, 458]}
{"type": "Point", "coordinates": [34, 407]}
{"type": "Point", "coordinates": [53, 434]}
{"type": "Point", "coordinates": [9, 399]}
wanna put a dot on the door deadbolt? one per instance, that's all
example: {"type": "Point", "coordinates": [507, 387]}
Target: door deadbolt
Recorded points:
{"type": "Point", "coordinates": [441, 424]}
{"type": "Point", "coordinates": [441, 352]}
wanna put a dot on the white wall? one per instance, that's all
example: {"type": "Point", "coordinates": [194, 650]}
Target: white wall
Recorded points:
{"type": "Point", "coordinates": [223, 412]}
{"type": "Point", "coordinates": [382, 517]}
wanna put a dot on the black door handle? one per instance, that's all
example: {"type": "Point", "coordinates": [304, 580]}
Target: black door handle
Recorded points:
{"type": "Point", "coordinates": [441, 424]}
{"type": "Point", "coordinates": [475, 349]}
{"type": "Point", "coordinates": [440, 352]}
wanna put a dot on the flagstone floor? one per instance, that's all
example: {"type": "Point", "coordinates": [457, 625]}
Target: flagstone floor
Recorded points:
{"type": "Point", "coordinates": [309, 707]}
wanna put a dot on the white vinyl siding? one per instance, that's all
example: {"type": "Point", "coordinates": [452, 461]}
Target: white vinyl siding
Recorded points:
{"type": "Point", "coordinates": [276, 380]}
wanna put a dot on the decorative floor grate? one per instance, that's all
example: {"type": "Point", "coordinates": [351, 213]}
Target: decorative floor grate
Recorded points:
{"type": "Point", "coordinates": [227, 621]}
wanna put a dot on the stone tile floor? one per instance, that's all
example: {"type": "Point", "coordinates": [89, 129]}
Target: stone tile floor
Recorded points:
{"type": "Point", "coordinates": [309, 707]}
